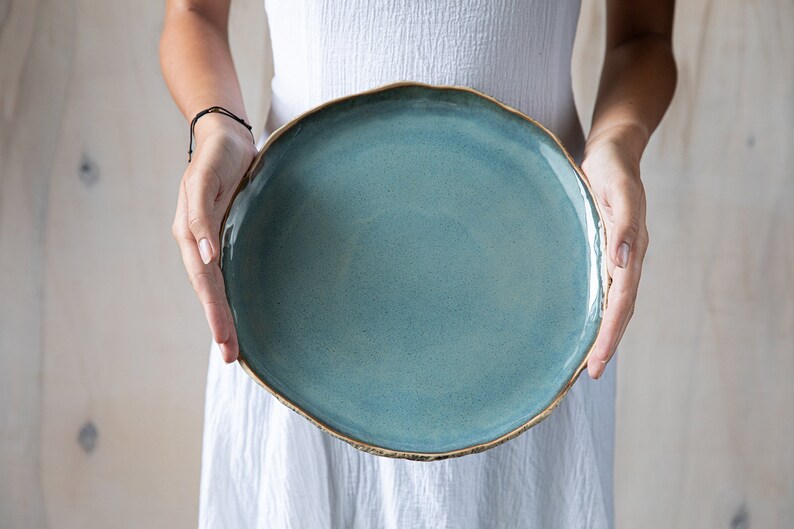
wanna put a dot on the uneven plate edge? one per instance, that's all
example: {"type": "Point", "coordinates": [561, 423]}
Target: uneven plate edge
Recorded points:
{"type": "Point", "coordinates": [606, 280]}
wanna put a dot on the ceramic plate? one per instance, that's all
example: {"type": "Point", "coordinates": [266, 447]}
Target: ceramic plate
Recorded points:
{"type": "Point", "coordinates": [416, 269]}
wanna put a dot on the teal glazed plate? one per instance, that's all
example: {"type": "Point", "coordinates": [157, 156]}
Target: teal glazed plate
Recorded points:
{"type": "Point", "coordinates": [416, 269]}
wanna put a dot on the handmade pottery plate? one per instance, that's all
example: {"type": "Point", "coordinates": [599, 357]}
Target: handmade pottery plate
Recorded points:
{"type": "Point", "coordinates": [416, 269]}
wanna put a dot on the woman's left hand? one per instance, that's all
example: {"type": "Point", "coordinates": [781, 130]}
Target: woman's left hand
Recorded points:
{"type": "Point", "coordinates": [614, 177]}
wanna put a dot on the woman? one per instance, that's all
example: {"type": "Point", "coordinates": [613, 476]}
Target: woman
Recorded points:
{"type": "Point", "coordinates": [265, 466]}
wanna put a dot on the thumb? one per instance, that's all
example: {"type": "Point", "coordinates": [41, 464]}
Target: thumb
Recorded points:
{"type": "Point", "coordinates": [625, 206]}
{"type": "Point", "coordinates": [202, 189]}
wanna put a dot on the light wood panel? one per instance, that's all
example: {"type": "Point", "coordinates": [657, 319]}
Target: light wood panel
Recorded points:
{"type": "Point", "coordinates": [33, 51]}
{"type": "Point", "coordinates": [705, 420]}
{"type": "Point", "coordinates": [103, 348]}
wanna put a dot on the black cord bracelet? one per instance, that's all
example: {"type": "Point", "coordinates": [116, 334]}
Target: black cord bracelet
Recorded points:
{"type": "Point", "coordinates": [219, 110]}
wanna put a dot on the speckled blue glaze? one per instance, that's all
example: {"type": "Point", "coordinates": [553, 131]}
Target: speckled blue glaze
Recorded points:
{"type": "Point", "coordinates": [419, 269]}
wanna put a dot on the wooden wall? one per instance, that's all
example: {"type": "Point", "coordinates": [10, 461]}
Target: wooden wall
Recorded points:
{"type": "Point", "coordinates": [706, 421]}
{"type": "Point", "coordinates": [103, 348]}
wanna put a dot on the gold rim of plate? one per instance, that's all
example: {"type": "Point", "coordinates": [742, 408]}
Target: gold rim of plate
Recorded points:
{"type": "Point", "coordinates": [256, 165]}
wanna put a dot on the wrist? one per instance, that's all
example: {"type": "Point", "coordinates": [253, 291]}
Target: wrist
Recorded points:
{"type": "Point", "coordinates": [613, 154]}
{"type": "Point", "coordinates": [215, 123]}
{"type": "Point", "coordinates": [629, 138]}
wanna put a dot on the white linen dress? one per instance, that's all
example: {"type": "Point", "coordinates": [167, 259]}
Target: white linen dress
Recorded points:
{"type": "Point", "coordinates": [265, 466]}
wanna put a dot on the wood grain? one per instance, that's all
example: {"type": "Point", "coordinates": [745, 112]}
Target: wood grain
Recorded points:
{"type": "Point", "coordinates": [104, 348]}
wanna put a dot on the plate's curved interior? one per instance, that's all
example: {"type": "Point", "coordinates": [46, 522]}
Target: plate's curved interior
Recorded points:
{"type": "Point", "coordinates": [417, 268]}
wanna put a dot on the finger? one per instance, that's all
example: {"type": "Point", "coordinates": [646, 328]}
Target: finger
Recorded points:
{"type": "Point", "coordinates": [620, 307]}
{"type": "Point", "coordinates": [202, 185]}
{"type": "Point", "coordinates": [625, 326]}
{"type": "Point", "coordinates": [230, 349]}
{"type": "Point", "coordinates": [212, 300]}
{"type": "Point", "coordinates": [204, 281]}
{"type": "Point", "coordinates": [597, 367]}
{"type": "Point", "coordinates": [627, 218]}
{"type": "Point", "coordinates": [615, 316]}
{"type": "Point", "coordinates": [600, 363]}
{"type": "Point", "coordinates": [609, 261]}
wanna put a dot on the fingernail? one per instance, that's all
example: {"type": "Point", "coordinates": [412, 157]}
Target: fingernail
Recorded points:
{"type": "Point", "coordinates": [205, 250]}
{"type": "Point", "coordinates": [623, 255]}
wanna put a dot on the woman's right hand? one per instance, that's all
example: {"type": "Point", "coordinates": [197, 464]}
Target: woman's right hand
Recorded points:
{"type": "Point", "coordinates": [223, 153]}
